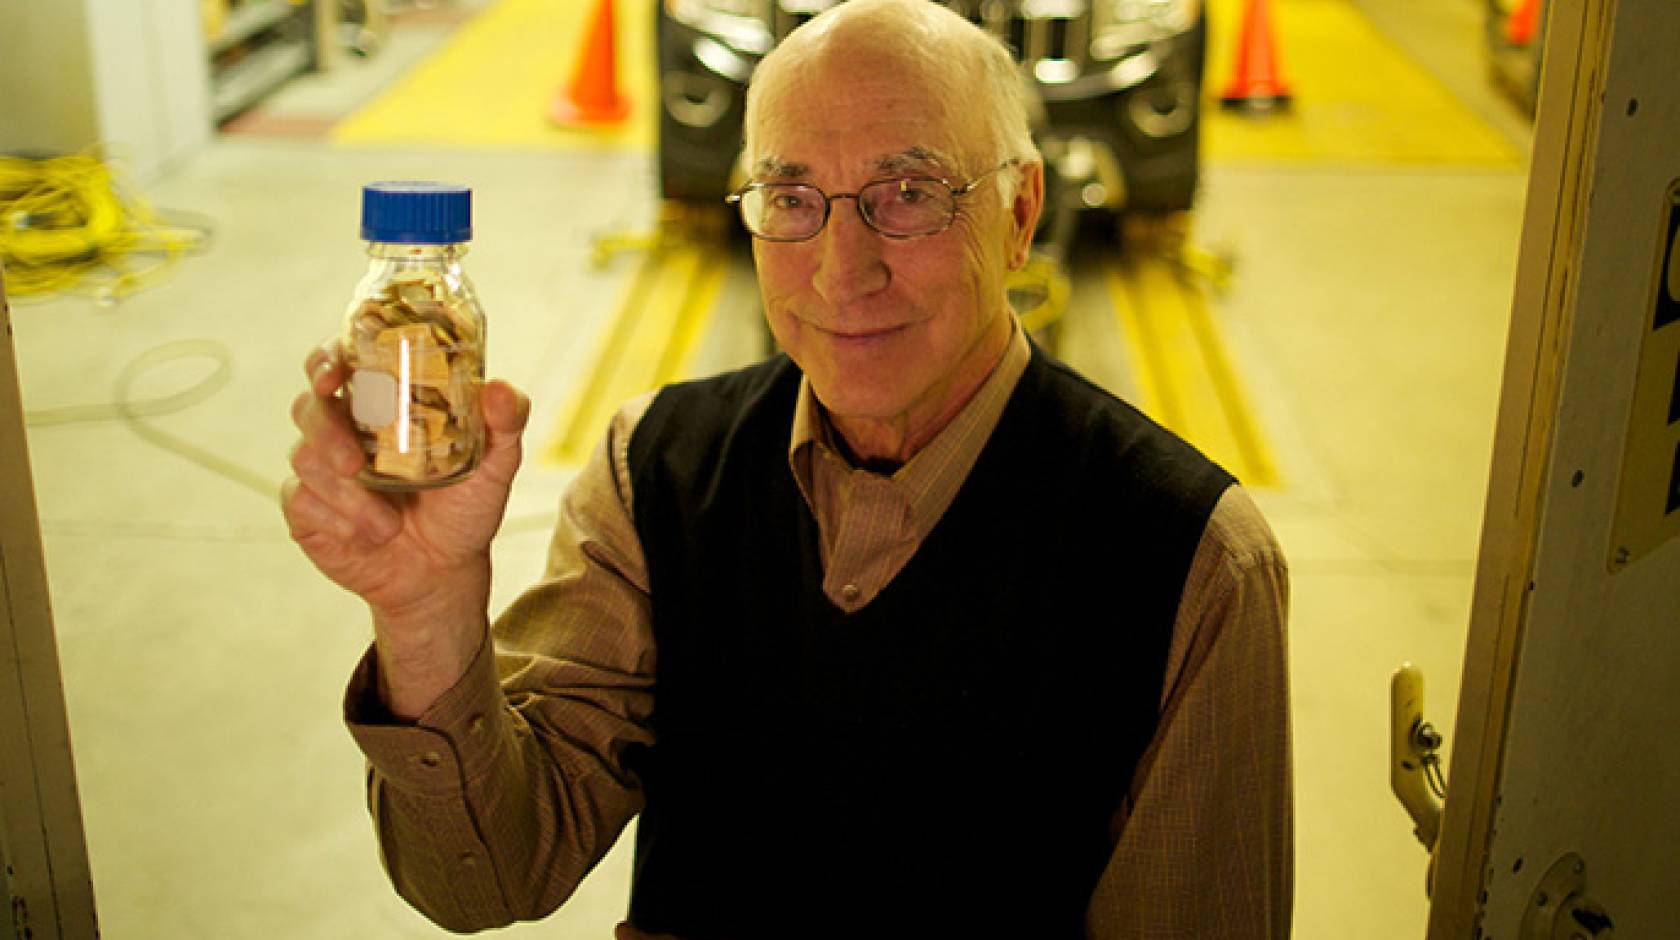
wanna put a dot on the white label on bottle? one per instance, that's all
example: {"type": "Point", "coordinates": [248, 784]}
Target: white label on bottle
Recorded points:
{"type": "Point", "coordinates": [373, 398]}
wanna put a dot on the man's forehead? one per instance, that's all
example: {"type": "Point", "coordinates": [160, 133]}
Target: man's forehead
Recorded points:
{"type": "Point", "coordinates": [914, 159]}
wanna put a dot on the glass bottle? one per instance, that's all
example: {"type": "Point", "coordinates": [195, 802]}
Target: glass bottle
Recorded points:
{"type": "Point", "coordinates": [413, 339]}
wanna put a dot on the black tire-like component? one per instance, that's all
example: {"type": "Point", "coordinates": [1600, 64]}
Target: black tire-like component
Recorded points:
{"type": "Point", "coordinates": [694, 160]}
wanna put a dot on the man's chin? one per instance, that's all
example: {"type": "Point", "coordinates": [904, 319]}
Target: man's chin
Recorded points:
{"type": "Point", "coordinates": [853, 403]}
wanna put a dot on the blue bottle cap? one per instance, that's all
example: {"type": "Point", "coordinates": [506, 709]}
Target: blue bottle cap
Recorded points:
{"type": "Point", "coordinates": [416, 213]}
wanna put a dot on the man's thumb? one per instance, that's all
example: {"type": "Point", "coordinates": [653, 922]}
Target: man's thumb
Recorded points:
{"type": "Point", "coordinates": [506, 412]}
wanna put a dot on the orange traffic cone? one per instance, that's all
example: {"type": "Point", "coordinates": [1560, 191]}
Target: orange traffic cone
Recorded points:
{"type": "Point", "coordinates": [1519, 26]}
{"type": "Point", "coordinates": [593, 97]}
{"type": "Point", "coordinates": [1257, 82]}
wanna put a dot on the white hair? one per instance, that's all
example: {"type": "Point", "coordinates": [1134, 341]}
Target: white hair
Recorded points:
{"type": "Point", "coordinates": [947, 50]}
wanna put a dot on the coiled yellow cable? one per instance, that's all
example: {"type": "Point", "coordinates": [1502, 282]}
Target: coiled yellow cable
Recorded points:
{"type": "Point", "coordinates": [64, 227]}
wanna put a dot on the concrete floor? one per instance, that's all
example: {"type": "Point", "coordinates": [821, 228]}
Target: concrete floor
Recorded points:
{"type": "Point", "coordinates": [204, 659]}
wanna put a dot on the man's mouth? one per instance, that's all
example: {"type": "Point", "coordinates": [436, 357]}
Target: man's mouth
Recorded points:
{"type": "Point", "coordinates": [856, 335]}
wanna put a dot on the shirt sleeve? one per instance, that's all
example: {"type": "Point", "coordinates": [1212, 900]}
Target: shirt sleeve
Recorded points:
{"type": "Point", "coordinates": [1206, 840]}
{"type": "Point", "coordinates": [493, 805]}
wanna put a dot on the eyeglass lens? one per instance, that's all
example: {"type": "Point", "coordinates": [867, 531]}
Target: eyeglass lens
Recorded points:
{"type": "Point", "coordinates": [795, 211]}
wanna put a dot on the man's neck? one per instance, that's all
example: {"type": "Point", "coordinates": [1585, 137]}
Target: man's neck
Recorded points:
{"type": "Point", "coordinates": [878, 465]}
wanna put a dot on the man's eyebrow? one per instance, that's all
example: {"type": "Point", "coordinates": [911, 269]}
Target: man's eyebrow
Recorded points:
{"type": "Point", "coordinates": [772, 168]}
{"type": "Point", "coordinates": [915, 158]}
{"type": "Point", "coordinates": [911, 160]}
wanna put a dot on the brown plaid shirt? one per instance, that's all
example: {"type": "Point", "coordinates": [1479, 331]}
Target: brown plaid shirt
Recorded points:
{"type": "Point", "coordinates": [501, 797]}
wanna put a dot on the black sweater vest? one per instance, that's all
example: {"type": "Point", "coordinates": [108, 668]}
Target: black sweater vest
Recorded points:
{"type": "Point", "coordinates": [946, 761]}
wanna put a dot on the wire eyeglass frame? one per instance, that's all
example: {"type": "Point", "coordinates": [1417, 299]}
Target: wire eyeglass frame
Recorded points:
{"type": "Point", "coordinates": [738, 197]}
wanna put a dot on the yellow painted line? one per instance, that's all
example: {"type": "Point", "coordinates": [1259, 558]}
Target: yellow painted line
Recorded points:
{"type": "Point", "coordinates": [1155, 388]}
{"type": "Point", "coordinates": [1257, 464]}
{"type": "Point", "coordinates": [650, 341]}
{"type": "Point", "coordinates": [1357, 97]}
{"type": "Point", "coordinates": [490, 84]}
{"type": "Point", "coordinates": [1185, 375]}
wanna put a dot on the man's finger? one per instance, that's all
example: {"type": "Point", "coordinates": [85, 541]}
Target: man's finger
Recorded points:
{"type": "Point", "coordinates": [325, 367]}
{"type": "Point", "coordinates": [326, 428]}
{"type": "Point", "coordinates": [333, 483]}
{"type": "Point", "coordinates": [308, 515]}
{"type": "Point", "coordinates": [506, 412]}
{"type": "Point", "coordinates": [506, 409]}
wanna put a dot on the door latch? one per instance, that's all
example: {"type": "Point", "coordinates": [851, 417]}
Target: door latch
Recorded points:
{"type": "Point", "coordinates": [1414, 770]}
{"type": "Point", "coordinates": [1415, 762]}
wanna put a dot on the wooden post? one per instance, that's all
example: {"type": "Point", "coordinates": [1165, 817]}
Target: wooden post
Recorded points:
{"type": "Point", "coordinates": [50, 891]}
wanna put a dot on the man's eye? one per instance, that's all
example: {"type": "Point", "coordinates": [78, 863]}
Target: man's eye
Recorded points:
{"type": "Point", "coordinates": [787, 202]}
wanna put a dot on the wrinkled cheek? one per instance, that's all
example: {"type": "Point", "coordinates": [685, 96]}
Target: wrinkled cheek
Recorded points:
{"type": "Point", "coordinates": [784, 327]}
{"type": "Point", "coordinates": [976, 266]}
{"type": "Point", "coordinates": [784, 273]}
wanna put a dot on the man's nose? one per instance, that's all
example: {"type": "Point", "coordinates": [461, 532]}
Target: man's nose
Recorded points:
{"type": "Point", "coordinates": [849, 264]}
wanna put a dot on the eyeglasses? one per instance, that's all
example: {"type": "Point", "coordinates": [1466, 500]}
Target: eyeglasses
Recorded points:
{"type": "Point", "coordinates": [905, 207]}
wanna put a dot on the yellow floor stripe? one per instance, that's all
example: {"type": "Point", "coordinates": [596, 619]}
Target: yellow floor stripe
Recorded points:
{"type": "Point", "coordinates": [1155, 388]}
{"type": "Point", "coordinates": [1257, 465]}
{"type": "Point", "coordinates": [1357, 97]}
{"type": "Point", "coordinates": [1185, 375]}
{"type": "Point", "coordinates": [491, 84]}
{"type": "Point", "coordinates": [649, 342]}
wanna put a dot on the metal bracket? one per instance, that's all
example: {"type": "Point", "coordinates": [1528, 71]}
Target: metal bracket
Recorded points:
{"type": "Point", "coordinates": [1559, 908]}
{"type": "Point", "coordinates": [20, 916]}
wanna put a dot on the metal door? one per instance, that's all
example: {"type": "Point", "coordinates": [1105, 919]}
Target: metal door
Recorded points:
{"type": "Point", "coordinates": [1561, 817]}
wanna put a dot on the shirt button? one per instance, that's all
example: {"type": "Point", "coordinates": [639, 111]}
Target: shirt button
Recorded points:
{"type": "Point", "coordinates": [476, 724]}
{"type": "Point", "coordinates": [850, 592]}
{"type": "Point", "coordinates": [429, 759]}
{"type": "Point", "coordinates": [468, 860]}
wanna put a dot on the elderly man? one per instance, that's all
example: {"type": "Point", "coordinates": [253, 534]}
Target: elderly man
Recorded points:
{"type": "Point", "coordinates": [909, 632]}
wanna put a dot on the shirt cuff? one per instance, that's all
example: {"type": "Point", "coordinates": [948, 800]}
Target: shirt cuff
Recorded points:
{"type": "Point", "coordinates": [453, 742]}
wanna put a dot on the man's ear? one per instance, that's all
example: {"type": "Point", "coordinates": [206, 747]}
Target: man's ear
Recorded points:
{"type": "Point", "coordinates": [1024, 210]}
